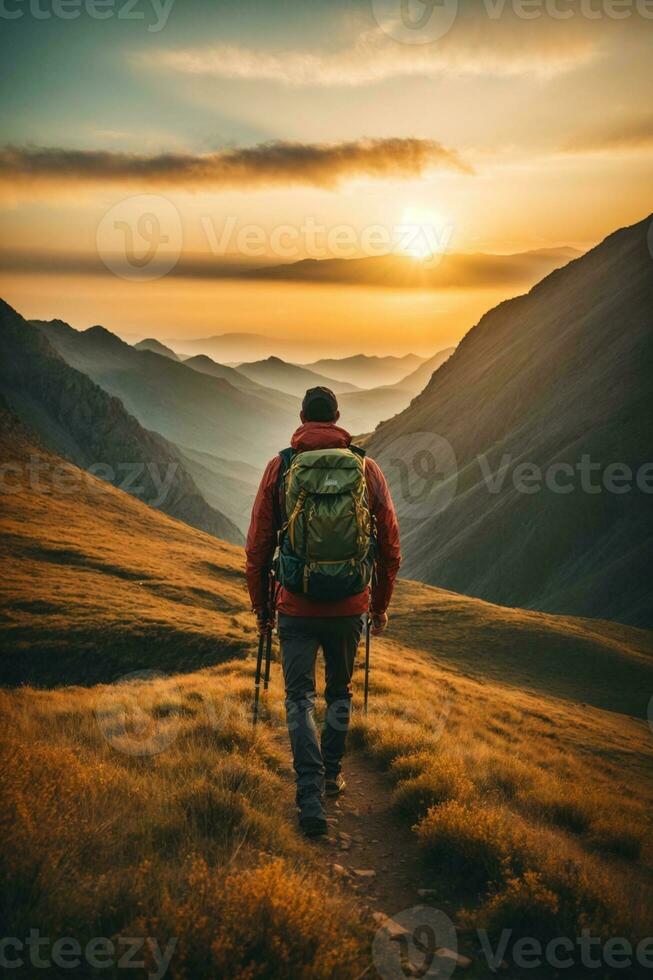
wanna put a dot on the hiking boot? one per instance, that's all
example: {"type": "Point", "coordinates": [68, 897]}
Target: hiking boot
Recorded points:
{"type": "Point", "coordinates": [335, 786]}
{"type": "Point", "coordinates": [313, 826]}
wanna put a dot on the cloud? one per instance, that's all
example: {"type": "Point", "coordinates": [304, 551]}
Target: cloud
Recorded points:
{"type": "Point", "coordinates": [630, 132]}
{"type": "Point", "coordinates": [396, 271]}
{"type": "Point", "coordinates": [375, 57]}
{"type": "Point", "coordinates": [277, 163]}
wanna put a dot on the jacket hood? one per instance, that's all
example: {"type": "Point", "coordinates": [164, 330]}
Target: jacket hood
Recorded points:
{"type": "Point", "coordinates": [320, 435]}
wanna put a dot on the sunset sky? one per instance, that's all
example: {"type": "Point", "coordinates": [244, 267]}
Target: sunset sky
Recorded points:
{"type": "Point", "coordinates": [267, 132]}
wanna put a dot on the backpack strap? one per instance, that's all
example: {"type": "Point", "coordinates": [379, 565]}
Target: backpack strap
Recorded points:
{"type": "Point", "coordinates": [286, 458]}
{"type": "Point", "coordinates": [358, 450]}
{"type": "Point", "coordinates": [280, 497]}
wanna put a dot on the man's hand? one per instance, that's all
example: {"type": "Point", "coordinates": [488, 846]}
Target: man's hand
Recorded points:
{"type": "Point", "coordinates": [379, 623]}
{"type": "Point", "coordinates": [264, 621]}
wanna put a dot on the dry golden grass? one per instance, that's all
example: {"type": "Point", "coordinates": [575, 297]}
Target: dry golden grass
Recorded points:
{"type": "Point", "coordinates": [591, 661]}
{"type": "Point", "coordinates": [532, 808]}
{"type": "Point", "coordinates": [96, 582]}
{"type": "Point", "coordinates": [537, 812]}
{"type": "Point", "coordinates": [196, 841]}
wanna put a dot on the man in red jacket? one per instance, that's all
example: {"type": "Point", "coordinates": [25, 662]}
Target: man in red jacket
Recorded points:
{"type": "Point", "coordinates": [305, 624]}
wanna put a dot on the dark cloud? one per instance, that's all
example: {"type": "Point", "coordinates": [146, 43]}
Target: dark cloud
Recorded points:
{"type": "Point", "coordinates": [453, 271]}
{"type": "Point", "coordinates": [629, 132]}
{"type": "Point", "coordinates": [275, 163]}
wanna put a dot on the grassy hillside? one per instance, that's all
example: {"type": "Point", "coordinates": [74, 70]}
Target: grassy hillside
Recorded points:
{"type": "Point", "coordinates": [553, 381]}
{"type": "Point", "coordinates": [531, 809]}
{"type": "Point", "coordinates": [121, 571]}
{"type": "Point", "coordinates": [590, 661]}
{"type": "Point", "coordinates": [97, 582]}
{"type": "Point", "coordinates": [76, 418]}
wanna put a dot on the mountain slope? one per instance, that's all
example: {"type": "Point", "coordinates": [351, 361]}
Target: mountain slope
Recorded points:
{"type": "Point", "coordinates": [362, 411]}
{"type": "Point", "coordinates": [191, 409]}
{"type": "Point", "coordinates": [161, 771]}
{"type": "Point", "coordinates": [291, 378]}
{"type": "Point", "coordinates": [206, 365]}
{"type": "Point", "coordinates": [367, 371]}
{"type": "Point", "coordinates": [88, 578]}
{"type": "Point", "coordinates": [554, 377]}
{"type": "Point", "coordinates": [225, 484]}
{"type": "Point", "coordinates": [150, 343]}
{"type": "Point", "coordinates": [94, 574]}
{"type": "Point", "coordinates": [418, 379]}
{"type": "Point", "coordinates": [76, 418]}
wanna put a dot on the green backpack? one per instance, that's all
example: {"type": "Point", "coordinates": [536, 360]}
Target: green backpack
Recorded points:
{"type": "Point", "coordinates": [326, 542]}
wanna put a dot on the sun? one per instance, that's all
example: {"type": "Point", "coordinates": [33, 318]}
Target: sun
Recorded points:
{"type": "Point", "coordinates": [422, 233]}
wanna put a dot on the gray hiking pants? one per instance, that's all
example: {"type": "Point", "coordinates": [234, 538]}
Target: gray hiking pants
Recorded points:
{"type": "Point", "coordinates": [300, 638]}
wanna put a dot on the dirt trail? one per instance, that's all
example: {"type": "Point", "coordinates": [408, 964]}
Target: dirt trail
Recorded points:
{"type": "Point", "coordinates": [366, 834]}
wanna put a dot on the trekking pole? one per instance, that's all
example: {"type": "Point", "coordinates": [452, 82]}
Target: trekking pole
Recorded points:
{"type": "Point", "coordinates": [257, 682]}
{"type": "Point", "coordinates": [264, 639]}
{"type": "Point", "coordinates": [367, 661]}
{"type": "Point", "coordinates": [268, 635]}
{"type": "Point", "coordinates": [268, 652]}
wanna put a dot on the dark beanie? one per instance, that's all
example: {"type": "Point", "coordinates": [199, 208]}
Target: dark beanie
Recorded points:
{"type": "Point", "coordinates": [320, 405]}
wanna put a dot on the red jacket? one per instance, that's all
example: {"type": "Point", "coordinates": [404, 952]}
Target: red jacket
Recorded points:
{"type": "Point", "coordinates": [262, 535]}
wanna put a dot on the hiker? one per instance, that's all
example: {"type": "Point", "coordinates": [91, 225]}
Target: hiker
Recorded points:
{"type": "Point", "coordinates": [323, 499]}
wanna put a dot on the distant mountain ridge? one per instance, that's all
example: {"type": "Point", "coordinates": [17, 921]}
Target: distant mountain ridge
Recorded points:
{"type": "Point", "coordinates": [76, 418]}
{"type": "Point", "coordinates": [293, 379]}
{"type": "Point", "coordinates": [368, 371]}
{"type": "Point", "coordinates": [232, 349]}
{"type": "Point", "coordinates": [235, 348]}
{"type": "Point", "coordinates": [450, 270]}
{"type": "Point", "coordinates": [190, 408]}
{"type": "Point", "coordinates": [561, 374]}
{"type": "Point", "coordinates": [151, 343]}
